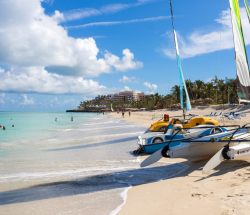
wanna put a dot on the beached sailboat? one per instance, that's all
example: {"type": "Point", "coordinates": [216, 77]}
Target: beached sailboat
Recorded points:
{"type": "Point", "coordinates": [152, 141]}
{"type": "Point", "coordinates": [243, 77]}
{"type": "Point", "coordinates": [199, 148]}
{"type": "Point", "coordinates": [206, 147]}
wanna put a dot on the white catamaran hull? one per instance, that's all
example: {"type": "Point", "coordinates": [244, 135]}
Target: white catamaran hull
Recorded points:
{"type": "Point", "coordinates": [241, 151]}
{"type": "Point", "coordinates": [204, 148]}
{"type": "Point", "coordinates": [195, 151]}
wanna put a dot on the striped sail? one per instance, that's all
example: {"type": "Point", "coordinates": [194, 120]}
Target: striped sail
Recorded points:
{"type": "Point", "coordinates": [242, 67]}
{"type": "Point", "coordinates": [181, 78]}
{"type": "Point", "coordinates": [247, 9]}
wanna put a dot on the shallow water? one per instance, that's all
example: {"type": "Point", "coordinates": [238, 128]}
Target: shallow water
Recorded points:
{"type": "Point", "coordinates": [89, 157]}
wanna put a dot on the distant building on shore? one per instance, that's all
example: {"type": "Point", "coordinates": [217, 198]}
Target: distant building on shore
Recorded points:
{"type": "Point", "coordinates": [104, 103]}
{"type": "Point", "coordinates": [127, 96]}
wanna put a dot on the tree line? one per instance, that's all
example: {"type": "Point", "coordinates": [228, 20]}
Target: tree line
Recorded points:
{"type": "Point", "coordinates": [215, 91]}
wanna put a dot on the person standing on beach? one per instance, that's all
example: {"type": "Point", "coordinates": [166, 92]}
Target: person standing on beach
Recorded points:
{"type": "Point", "coordinates": [123, 114]}
{"type": "Point", "coordinates": [129, 113]}
{"type": "Point", "coordinates": [166, 118]}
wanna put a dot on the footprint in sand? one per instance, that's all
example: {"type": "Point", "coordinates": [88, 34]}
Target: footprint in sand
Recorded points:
{"type": "Point", "coordinates": [198, 195]}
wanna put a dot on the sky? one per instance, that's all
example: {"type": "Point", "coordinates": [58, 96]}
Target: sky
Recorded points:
{"type": "Point", "coordinates": [56, 53]}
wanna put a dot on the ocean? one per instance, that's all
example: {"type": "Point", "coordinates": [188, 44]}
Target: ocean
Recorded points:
{"type": "Point", "coordinates": [82, 161]}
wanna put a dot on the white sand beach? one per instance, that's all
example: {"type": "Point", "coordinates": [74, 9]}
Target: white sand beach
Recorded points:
{"type": "Point", "coordinates": [225, 191]}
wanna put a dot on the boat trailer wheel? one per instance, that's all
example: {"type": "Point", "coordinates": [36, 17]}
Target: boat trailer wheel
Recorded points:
{"type": "Point", "coordinates": [224, 153]}
{"type": "Point", "coordinates": [164, 152]}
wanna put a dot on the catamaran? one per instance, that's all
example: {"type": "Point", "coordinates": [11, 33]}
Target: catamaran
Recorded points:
{"type": "Point", "coordinates": [205, 147]}
{"type": "Point", "coordinates": [152, 141]}
{"type": "Point", "coordinates": [242, 149]}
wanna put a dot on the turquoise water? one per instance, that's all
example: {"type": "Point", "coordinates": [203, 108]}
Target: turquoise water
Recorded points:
{"type": "Point", "coordinates": [31, 125]}
{"type": "Point", "coordinates": [87, 159]}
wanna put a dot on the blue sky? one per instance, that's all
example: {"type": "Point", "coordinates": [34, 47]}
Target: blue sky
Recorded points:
{"type": "Point", "coordinates": [54, 54]}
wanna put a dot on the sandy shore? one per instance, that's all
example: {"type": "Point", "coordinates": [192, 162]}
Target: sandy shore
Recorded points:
{"type": "Point", "coordinates": [224, 191]}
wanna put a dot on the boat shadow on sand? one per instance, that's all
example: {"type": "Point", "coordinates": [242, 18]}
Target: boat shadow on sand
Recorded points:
{"type": "Point", "coordinates": [109, 181]}
{"type": "Point", "coordinates": [91, 184]}
{"type": "Point", "coordinates": [225, 167]}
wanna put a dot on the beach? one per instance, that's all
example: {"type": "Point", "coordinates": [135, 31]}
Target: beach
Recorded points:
{"type": "Point", "coordinates": [86, 167]}
{"type": "Point", "coordinates": [83, 84]}
{"type": "Point", "coordinates": [225, 191]}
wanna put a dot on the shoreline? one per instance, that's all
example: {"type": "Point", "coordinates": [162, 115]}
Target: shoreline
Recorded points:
{"type": "Point", "coordinates": [124, 196]}
{"type": "Point", "coordinates": [223, 192]}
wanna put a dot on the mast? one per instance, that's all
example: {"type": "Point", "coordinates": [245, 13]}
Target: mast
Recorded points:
{"type": "Point", "coordinates": [241, 60]}
{"type": "Point", "coordinates": [182, 83]}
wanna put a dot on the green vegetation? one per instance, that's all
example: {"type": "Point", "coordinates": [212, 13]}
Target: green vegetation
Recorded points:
{"type": "Point", "coordinates": [216, 91]}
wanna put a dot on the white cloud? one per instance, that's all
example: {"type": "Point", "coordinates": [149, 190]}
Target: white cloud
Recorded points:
{"type": "Point", "coordinates": [28, 37]}
{"type": "Point", "coordinates": [204, 42]}
{"type": "Point", "coordinates": [122, 64]}
{"type": "Point", "coordinates": [25, 100]}
{"type": "Point", "coordinates": [38, 80]}
{"type": "Point", "coordinates": [152, 87]}
{"type": "Point", "coordinates": [123, 22]}
{"type": "Point", "coordinates": [2, 98]}
{"type": "Point", "coordinates": [126, 88]}
{"type": "Point", "coordinates": [126, 79]}
{"type": "Point", "coordinates": [39, 50]}
{"type": "Point", "coordinates": [82, 13]}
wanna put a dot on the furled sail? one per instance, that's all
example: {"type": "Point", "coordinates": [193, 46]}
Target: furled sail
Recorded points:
{"type": "Point", "coordinates": [242, 67]}
{"type": "Point", "coordinates": [247, 9]}
{"type": "Point", "coordinates": [182, 83]}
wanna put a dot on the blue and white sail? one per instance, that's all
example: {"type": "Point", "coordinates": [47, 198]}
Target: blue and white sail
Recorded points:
{"type": "Point", "coordinates": [181, 78]}
{"type": "Point", "coordinates": [182, 82]}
